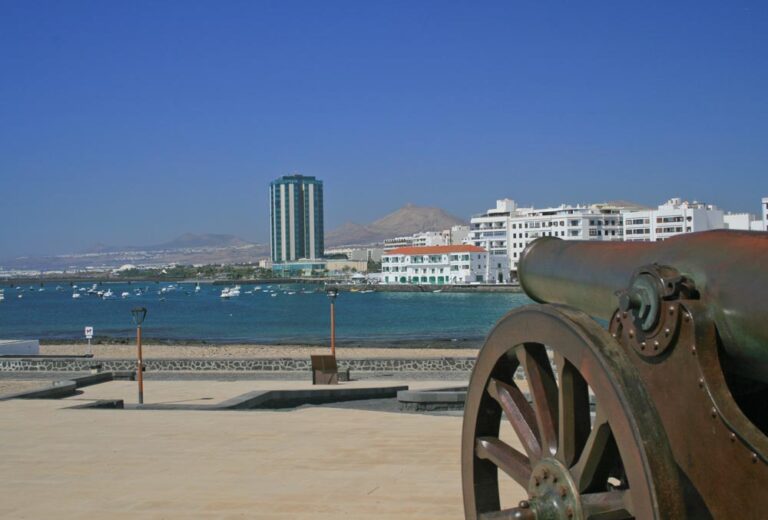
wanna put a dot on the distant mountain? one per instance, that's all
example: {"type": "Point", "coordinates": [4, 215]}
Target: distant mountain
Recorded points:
{"type": "Point", "coordinates": [185, 241]}
{"type": "Point", "coordinates": [189, 248]}
{"type": "Point", "coordinates": [405, 221]}
{"type": "Point", "coordinates": [208, 240]}
{"type": "Point", "coordinates": [633, 206]}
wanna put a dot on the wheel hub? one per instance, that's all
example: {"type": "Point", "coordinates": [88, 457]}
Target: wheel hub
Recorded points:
{"type": "Point", "coordinates": [553, 494]}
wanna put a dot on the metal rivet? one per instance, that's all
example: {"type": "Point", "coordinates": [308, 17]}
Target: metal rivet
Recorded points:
{"type": "Point", "coordinates": [754, 457]}
{"type": "Point", "coordinates": [693, 350]}
{"type": "Point", "coordinates": [618, 318]}
{"type": "Point", "coordinates": [624, 315]}
{"type": "Point", "coordinates": [655, 345]}
{"type": "Point", "coordinates": [546, 474]}
{"type": "Point", "coordinates": [667, 332]}
{"type": "Point", "coordinates": [613, 335]}
{"type": "Point", "coordinates": [524, 504]}
{"type": "Point", "coordinates": [563, 491]}
{"type": "Point", "coordinates": [631, 333]}
{"type": "Point", "coordinates": [536, 481]}
{"type": "Point", "coordinates": [687, 317]}
{"type": "Point", "coordinates": [671, 309]}
{"type": "Point", "coordinates": [733, 437]}
{"type": "Point", "coordinates": [713, 412]}
{"type": "Point", "coordinates": [642, 345]}
{"type": "Point", "coordinates": [701, 382]}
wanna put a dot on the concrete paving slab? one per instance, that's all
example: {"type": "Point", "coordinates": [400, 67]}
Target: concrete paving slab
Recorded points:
{"type": "Point", "coordinates": [317, 462]}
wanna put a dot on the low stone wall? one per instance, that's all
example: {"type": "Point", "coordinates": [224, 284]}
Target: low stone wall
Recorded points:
{"type": "Point", "coordinates": [235, 365]}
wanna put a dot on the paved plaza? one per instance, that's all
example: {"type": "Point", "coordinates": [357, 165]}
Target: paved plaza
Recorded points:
{"type": "Point", "coordinates": [314, 461]}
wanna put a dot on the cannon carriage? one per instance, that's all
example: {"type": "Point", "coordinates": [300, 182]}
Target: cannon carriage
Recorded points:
{"type": "Point", "coordinates": [636, 388]}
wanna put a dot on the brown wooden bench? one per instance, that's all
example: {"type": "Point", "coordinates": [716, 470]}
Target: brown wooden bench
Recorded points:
{"type": "Point", "coordinates": [324, 370]}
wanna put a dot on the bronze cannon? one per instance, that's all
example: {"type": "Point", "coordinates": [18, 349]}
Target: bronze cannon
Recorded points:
{"type": "Point", "coordinates": [636, 388]}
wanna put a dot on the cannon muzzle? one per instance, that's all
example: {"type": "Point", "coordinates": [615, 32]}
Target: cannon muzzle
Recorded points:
{"type": "Point", "coordinates": [726, 270]}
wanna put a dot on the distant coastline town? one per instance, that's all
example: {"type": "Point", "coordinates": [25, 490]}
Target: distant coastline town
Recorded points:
{"type": "Point", "coordinates": [436, 248]}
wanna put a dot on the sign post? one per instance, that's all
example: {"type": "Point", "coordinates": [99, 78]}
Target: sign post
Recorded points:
{"type": "Point", "coordinates": [88, 336]}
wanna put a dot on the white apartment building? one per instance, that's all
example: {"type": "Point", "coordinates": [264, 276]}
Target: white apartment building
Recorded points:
{"type": "Point", "coordinates": [748, 221]}
{"type": "Point", "coordinates": [764, 213]}
{"type": "Point", "coordinates": [357, 253]}
{"type": "Point", "coordinates": [440, 265]}
{"type": "Point", "coordinates": [489, 230]}
{"type": "Point", "coordinates": [454, 235]}
{"type": "Point", "coordinates": [670, 219]}
{"type": "Point", "coordinates": [743, 221]}
{"type": "Point", "coordinates": [507, 229]}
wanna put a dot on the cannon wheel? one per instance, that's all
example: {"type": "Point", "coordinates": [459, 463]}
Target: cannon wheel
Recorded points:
{"type": "Point", "coordinates": [611, 464]}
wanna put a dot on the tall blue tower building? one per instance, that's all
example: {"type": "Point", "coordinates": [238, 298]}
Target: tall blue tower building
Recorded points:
{"type": "Point", "coordinates": [296, 217]}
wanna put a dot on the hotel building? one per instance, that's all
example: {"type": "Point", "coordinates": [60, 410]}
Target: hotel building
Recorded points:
{"type": "Point", "coordinates": [507, 229]}
{"type": "Point", "coordinates": [439, 265]}
{"type": "Point", "coordinates": [296, 218]}
{"type": "Point", "coordinates": [670, 219]}
{"type": "Point", "coordinates": [764, 213]}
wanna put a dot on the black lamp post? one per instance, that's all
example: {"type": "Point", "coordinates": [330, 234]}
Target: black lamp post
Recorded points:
{"type": "Point", "coordinates": [332, 293]}
{"type": "Point", "coordinates": [138, 314]}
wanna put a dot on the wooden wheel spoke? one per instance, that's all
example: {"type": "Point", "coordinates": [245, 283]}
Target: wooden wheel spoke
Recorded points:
{"type": "Point", "coordinates": [519, 414]}
{"type": "Point", "coordinates": [505, 457]}
{"type": "Point", "coordinates": [610, 505]}
{"type": "Point", "coordinates": [573, 407]}
{"type": "Point", "coordinates": [597, 457]}
{"type": "Point", "coordinates": [543, 388]}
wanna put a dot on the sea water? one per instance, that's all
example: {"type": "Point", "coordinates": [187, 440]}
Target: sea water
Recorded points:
{"type": "Point", "coordinates": [259, 317]}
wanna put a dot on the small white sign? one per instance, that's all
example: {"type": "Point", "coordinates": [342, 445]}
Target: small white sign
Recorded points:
{"type": "Point", "coordinates": [88, 332]}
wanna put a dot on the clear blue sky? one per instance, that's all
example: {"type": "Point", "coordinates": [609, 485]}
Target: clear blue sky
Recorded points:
{"type": "Point", "coordinates": [132, 122]}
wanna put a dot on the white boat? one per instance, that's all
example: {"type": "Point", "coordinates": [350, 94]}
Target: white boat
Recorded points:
{"type": "Point", "coordinates": [273, 294]}
{"type": "Point", "coordinates": [41, 289]}
{"type": "Point", "coordinates": [75, 295]}
{"type": "Point", "coordinates": [108, 294]}
{"type": "Point", "coordinates": [125, 294]}
{"type": "Point", "coordinates": [230, 292]}
{"type": "Point", "coordinates": [197, 288]}
{"type": "Point", "coordinates": [20, 296]}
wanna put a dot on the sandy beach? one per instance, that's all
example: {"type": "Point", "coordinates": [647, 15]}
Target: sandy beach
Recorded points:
{"type": "Point", "coordinates": [248, 351]}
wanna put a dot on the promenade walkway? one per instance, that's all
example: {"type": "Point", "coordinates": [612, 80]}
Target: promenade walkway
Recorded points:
{"type": "Point", "coordinates": [312, 462]}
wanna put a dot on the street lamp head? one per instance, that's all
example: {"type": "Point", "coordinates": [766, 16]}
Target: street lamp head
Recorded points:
{"type": "Point", "coordinates": [138, 314]}
{"type": "Point", "coordinates": [332, 293]}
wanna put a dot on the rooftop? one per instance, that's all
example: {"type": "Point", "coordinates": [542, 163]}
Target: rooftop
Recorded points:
{"type": "Point", "coordinates": [435, 250]}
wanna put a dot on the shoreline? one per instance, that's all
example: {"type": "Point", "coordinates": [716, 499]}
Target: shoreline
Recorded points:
{"type": "Point", "coordinates": [394, 344]}
{"type": "Point", "coordinates": [151, 350]}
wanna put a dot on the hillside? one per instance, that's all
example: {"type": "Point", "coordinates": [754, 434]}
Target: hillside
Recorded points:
{"type": "Point", "coordinates": [407, 220]}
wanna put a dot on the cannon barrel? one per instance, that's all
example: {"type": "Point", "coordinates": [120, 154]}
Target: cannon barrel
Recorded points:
{"type": "Point", "coordinates": [729, 270]}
